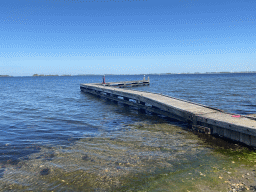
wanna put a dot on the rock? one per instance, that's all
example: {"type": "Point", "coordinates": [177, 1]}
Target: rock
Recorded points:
{"type": "Point", "coordinates": [45, 171]}
{"type": "Point", "coordinates": [48, 156]}
{"type": "Point", "coordinates": [116, 163]}
{"type": "Point", "coordinates": [12, 161]}
{"type": "Point", "coordinates": [85, 158]}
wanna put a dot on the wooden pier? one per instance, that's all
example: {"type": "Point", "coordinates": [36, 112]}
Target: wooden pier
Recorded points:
{"type": "Point", "coordinates": [199, 117]}
{"type": "Point", "coordinates": [123, 84]}
{"type": "Point", "coordinates": [128, 83]}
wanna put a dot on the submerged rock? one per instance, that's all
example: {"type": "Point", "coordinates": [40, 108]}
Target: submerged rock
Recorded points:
{"type": "Point", "coordinates": [2, 172]}
{"type": "Point", "coordinates": [48, 156]}
{"type": "Point", "coordinates": [11, 162]}
{"type": "Point", "coordinates": [86, 158]}
{"type": "Point", "coordinates": [45, 171]}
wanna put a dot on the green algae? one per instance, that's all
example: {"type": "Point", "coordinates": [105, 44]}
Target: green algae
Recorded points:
{"type": "Point", "coordinates": [241, 155]}
{"type": "Point", "coordinates": [80, 180]}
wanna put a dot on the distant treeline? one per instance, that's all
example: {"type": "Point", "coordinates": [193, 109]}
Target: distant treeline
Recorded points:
{"type": "Point", "coordinates": [42, 75]}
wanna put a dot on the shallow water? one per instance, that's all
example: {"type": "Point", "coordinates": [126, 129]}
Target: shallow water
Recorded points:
{"type": "Point", "coordinates": [55, 137]}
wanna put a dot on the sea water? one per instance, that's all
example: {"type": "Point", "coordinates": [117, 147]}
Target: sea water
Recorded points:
{"type": "Point", "coordinates": [53, 137]}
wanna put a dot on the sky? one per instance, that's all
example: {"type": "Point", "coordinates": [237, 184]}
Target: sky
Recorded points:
{"type": "Point", "coordinates": [126, 36]}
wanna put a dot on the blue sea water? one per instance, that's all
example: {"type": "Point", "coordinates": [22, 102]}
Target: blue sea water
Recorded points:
{"type": "Point", "coordinates": [46, 115]}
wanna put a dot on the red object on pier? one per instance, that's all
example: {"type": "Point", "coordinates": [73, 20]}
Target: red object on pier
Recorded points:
{"type": "Point", "coordinates": [236, 116]}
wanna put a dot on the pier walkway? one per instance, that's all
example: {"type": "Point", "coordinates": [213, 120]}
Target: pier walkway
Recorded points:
{"type": "Point", "coordinates": [199, 117]}
{"type": "Point", "coordinates": [128, 83]}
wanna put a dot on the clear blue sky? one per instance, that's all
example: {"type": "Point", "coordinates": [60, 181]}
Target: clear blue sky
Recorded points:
{"type": "Point", "coordinates": [126, 36]}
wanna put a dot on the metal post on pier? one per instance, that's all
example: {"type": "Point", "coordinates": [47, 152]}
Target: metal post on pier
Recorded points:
{"type": "Point", "coordinates": [103, 80]}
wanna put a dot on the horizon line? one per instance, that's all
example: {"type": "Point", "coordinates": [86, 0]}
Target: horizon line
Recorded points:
{"type": "Point", "coordinates": [65, 75]}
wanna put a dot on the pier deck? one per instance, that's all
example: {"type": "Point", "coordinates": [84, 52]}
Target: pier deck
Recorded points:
{"type": "Point", "coordinates": [128, 83]}
{"type": "Point", "coordinates": [199, 117]}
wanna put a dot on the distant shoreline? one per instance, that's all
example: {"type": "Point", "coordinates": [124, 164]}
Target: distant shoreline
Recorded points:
{"type": "Point", "coordinates": [5, 76]}
{"type": "Point", "coordinates": [196, 73]}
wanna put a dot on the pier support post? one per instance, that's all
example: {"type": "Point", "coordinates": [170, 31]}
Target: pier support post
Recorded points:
{"type": "Point", "coordinates": [235, 135]}
{"type": "Point", "coordinates": [97, 93]}
{"type": "Point", "coordinates": [108, 96]}
{"type": "Point", "coordinates": [126, 99]}
{"type": "Point", "coordinates": [153, 112]}
{"type": "Point", "coordinates": [141, 110]}
{"type": "Point", "coordinates": [253, 141]}
{"type": "Point", "coordinates": [115, 97]}
{"type": "Point", "coordinates": [244, 138]}
{"type": "Point", "coordinates": [140, 102]}
{"type": "Point", "coordinates": [191, 121]}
